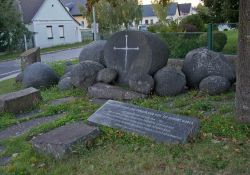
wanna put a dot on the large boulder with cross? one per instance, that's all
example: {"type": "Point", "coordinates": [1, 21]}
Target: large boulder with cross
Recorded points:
{"type": "Point", "coordinates": [133, 53]}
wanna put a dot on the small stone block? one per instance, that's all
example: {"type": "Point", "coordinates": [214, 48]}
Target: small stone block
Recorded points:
{"type": "Point", "coordinates": [20, 101]}
{"type": "Point", "coordinates": [60, 140]}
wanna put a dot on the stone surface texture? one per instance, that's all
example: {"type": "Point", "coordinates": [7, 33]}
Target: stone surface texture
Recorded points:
{"type": "Point", "coordinates": [133, 52]}
{"type": "Point", "coordinates": [214, 85]}
{"type": "Point", "coordinates": [19, 78]}
{"type": "Point", "coordinates": [201, 63]}
{"type": "Point", "coordinates": [39, 75]}
{"type": "Point", "coordinates": [106, 75]}
{"type": "Point", "coordinates": [169, 82]}
{"type": "Point", "coordinates": [20, 101]}
{"type": "Point", "coordinates": [29, 57]}
{"type": "Point", "coordinates": [142, 83]}
{"type": "Point", "coordinates": [61, 140]}
{"type": "Point", "coordinates": [84, 74]}
{"type": "Point", "coordinates": [21, 128]}
{"type": "Point", "coordinates": [104, 91]}
{"type": "Point", "coordinates": [65, 84]}
{"type": "Point", "coordinates": [93, 52]}
{"type": "Point", "coordinates": [176, 63]}
{"type": "Point", "coordinates": [161, 126]}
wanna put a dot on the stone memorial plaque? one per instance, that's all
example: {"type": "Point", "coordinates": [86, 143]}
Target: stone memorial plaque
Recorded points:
{"type": "Point", "coordinates": [161, 126]}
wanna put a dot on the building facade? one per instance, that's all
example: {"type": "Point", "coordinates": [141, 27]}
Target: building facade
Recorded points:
{"type": "Point", "coordinates": [50, 23]}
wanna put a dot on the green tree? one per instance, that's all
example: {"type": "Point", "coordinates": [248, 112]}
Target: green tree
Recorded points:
{"type": "Point", "coordinates": [192, 20]}
{"type": "Point", "coordinates": [112, 17]}
{"type": "Point", "coordinates": [203, 12]}
{"type": "Point", "coordinates": [12, 29]}
{"type": "Point", "coordinates": [160, 10]}
{"type": "Point", "coordinates": [223, 10]}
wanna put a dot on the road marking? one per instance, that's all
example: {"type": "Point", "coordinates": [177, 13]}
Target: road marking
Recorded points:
{"type": "Point", "coordinates": [15, 71]}
{"type": "Point", "coordinates": [9, 77]}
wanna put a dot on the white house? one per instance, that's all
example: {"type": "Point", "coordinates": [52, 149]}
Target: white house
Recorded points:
{"type": "Point", "coordinates": [50, 22]}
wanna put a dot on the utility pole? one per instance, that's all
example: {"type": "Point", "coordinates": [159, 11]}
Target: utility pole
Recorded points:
{"type": "Point", "coordinates": [94, 23]}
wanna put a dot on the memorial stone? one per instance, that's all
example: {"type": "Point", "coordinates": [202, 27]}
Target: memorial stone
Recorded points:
{"type": "Point", "coordinates": [135, 53]}
{"type": "Point", "coordinates": [163, 127]}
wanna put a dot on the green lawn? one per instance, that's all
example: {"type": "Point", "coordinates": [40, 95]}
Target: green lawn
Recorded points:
{"type": "Point", "coordinates": [232, 42]}
{"type": "Point", "coordinates": [14, 55]}
{"type": "Point", "coordinates": [222, 146]}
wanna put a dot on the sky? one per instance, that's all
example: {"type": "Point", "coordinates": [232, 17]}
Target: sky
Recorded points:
{"type": "Point", "coordinates": [194, 2]}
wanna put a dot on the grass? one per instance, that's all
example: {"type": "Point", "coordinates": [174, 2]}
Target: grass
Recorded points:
{"type": "Point", "coordinates": [15, 55]}
{"type": "Point", "coordinates": [232, 40]}
{"type": "Point", "coordinates": [222, 146]}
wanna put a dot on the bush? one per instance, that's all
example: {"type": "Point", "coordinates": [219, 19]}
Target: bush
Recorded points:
{"type": "Point", "coordinates": [219, 40]}
{"type": "Point", "coordinates": [171, 26]}
{"type": "Point", "coordinates": [194, 20]}
{"type": "Point", "coordinates": [181, 44]}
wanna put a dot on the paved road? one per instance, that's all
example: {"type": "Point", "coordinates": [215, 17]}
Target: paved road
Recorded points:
{"type": "Point", "coordinates": [10, 68]}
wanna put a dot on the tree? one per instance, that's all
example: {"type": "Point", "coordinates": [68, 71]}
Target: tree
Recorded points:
{"type": "Point", "coordinates": [111, 17]}
{"type": "Point", "coordinates": [243, 62]}
{"type": "Point", "coordinates": [203, 12]}
{"type": "Point", "coordinates": [223, 10]}
{"type": "Point", "coordinates": [12, 29]}
{"type": "Point", "coordinates": [160, 10]}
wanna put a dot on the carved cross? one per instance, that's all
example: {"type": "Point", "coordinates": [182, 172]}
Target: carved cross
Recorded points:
{"type": "Point", "coordinates": [126, 48]}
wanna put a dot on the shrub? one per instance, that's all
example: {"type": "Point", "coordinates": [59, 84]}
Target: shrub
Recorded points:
{"type": "Point", "coordinates": [171, 26]}
{"type": "Point", "coordinates": [219, 40]}
{"type": "Point", "coordinates": [194, 20]}
{"type": "Point", "coordinates": [180, 44]}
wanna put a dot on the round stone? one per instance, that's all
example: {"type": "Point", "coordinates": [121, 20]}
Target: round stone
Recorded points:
{"type": "Point", "coordinates": [169, 82]}
{"type": "Point", "coordinates": [214, 85]}
{"type": "Point", "coordinates": [201, 63]}
{"type": "Point", "coordinates": [39, 75]}
{"type": "Point", "coordinates": [133, 52]}
{"type": "Point", "coordinates": [106, 75]}
{"type": "Point", "coordinates": [142, 83]}
{"type": "Point", "coordinates": [93, 52]}
{"type": "Point", "coordinates": [65, 84]}
{"type": "Point", "coordinates": [84, 74]}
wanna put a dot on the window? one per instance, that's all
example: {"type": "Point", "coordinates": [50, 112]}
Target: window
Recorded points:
{"type": "Point", "coordinates": [146, 21]}
{"type": "Point", "coordinates": [151, 21]}
{"type": "Point", "coordinates": [82, 23]}
{"type": "Point", "coordinates": [49, 32]}
{"type": "Point", "coordinates": [61, 31]}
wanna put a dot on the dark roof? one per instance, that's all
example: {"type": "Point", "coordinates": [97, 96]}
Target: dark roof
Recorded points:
{"type": "Point", "coordinates": [73, 6]}
{"type": "Point", "coordinates": [147, 10]}
{"type": "Point", "coordinates": [185, 8]}
{"type": "Point", "coordinates": [172, 9]}
{"type": "Point", "coordinates": [29, 9]}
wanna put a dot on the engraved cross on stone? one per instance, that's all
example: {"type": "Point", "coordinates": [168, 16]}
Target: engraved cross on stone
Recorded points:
{"type": "Point", "coordinates": [126, 51]}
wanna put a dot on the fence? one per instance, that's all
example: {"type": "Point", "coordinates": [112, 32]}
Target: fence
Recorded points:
{"type": "Point", "coordinates": [223, 37]}
{"type": "Point", "coordinates": [218, 37]}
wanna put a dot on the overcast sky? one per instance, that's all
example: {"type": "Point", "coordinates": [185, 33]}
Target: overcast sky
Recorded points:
{"type": "Point", "coordinates": [194, 2]}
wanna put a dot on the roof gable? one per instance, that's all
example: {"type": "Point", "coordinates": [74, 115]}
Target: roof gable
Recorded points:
{"type": "Point", "coordinates": [147, 10]}
{"type": "Point", "coordinates": [172, 8]}
{"type": "Point", "coordinates": [185, 8]}
{"type": "Point", "coordinates": [29, 9]}
{"type": "Point", "coordinates": [73, 6]}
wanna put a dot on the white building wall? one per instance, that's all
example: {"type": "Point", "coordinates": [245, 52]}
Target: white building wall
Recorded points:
{"type": "Point", "coordinates": [71, 33]}
{"type": "Point", "coordinates": [154, 18]}
{"type": "Point", "coordinates": [52, 13]}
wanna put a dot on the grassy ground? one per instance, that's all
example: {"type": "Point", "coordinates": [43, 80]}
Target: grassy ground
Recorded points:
{"type": "Point", "coordinates": [222, 146]}
{"type": "Point", "coordinates": [232, 42]}
{"type": "Point", "coordinates": [14, 55]}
